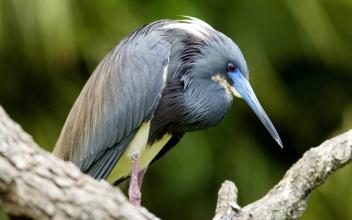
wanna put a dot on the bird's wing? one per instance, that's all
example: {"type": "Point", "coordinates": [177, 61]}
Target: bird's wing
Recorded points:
{"type": "Point", "coordinates": [122, 93]}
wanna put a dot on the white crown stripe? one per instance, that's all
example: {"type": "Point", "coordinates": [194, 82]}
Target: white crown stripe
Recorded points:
{"type": "Point", "coordinates": [192, 25]}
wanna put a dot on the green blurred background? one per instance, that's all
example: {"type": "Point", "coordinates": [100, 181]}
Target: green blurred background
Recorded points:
{"type": "Point", "coordinates": [299, 55]}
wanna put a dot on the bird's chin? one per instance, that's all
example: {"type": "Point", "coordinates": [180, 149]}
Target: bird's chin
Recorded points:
{"type": "Point", "coordinates": [224, 83]}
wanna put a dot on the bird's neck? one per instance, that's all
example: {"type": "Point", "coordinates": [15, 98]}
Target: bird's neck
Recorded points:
{"type": "Point", "coordinates": [182, 109]}
{"type": "Point", "coordinates": [207, 103]}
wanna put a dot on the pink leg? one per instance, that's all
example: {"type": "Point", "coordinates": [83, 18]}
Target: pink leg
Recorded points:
{"type": "Point", "coordinates": [134, 192]}
{"type": "Point", "coordinates": [140, 177]}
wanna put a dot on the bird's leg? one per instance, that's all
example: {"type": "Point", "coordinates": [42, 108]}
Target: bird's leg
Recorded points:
{"type": "Point", "coordinates": [140, 177]}
{"type": "Point", "coordinates": [134, 192]}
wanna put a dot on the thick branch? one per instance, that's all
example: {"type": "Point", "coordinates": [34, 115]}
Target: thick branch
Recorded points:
{"type": "Point", "coordinates": [288, 199]}
{"type": "Point", "coordinates": [36, 185]}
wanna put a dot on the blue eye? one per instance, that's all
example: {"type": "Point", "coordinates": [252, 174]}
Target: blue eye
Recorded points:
{"type": "Point", "coordinates": [231, 67]}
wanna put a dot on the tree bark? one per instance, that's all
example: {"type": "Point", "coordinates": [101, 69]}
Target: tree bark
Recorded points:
{"type": "Point", "coordinates": [36, 185]}
{"type": "Point", "coordinates": [288, 199]}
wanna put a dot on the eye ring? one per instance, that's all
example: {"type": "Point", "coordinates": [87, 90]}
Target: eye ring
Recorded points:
{"type": "Point", "coordinates": [231, 67]}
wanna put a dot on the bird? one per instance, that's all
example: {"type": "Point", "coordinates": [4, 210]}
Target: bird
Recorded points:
{"type": "Point", "coordinates": [165, 79]}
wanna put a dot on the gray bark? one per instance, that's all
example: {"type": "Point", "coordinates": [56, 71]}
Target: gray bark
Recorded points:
{"type": "Point", "coordinates": [288, 199]}
{"type": "Point", "coordinates": [36, 185]}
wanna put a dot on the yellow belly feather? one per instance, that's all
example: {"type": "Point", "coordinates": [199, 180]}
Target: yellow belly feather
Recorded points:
{"type": "Point", "coordinates": [137, 145]}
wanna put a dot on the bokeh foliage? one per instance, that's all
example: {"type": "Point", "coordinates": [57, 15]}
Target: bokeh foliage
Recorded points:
{"type": "Point", "coordinates": [299, 55]}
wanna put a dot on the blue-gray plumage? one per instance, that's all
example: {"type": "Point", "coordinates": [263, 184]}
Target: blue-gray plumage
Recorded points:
{"type": "Point", "coordinates": [166, 78]}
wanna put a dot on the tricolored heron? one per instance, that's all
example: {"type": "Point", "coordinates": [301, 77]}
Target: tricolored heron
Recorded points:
{"type": "Point", "coordinates": [163, 80]}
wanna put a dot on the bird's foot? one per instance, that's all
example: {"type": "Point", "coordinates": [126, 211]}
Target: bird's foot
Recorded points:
{"type": "Point", "coordinates": [135, 196]}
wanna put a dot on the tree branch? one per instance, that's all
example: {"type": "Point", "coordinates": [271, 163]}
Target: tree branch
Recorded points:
{"type": "Point", "coordinates": [288, 199]}
{"type": "Point", "coordinates": [36, 185]}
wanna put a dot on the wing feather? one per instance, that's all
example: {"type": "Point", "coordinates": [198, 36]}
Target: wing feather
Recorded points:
{"type": "Point", "coordinates": [122, 93]}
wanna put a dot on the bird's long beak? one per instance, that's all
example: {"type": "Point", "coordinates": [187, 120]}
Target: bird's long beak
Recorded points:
{"type": "Point", "coordinates": [244, 89]}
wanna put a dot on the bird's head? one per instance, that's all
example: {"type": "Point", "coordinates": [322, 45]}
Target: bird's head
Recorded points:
{"type": "Point", "coordinates": [209, 54]}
